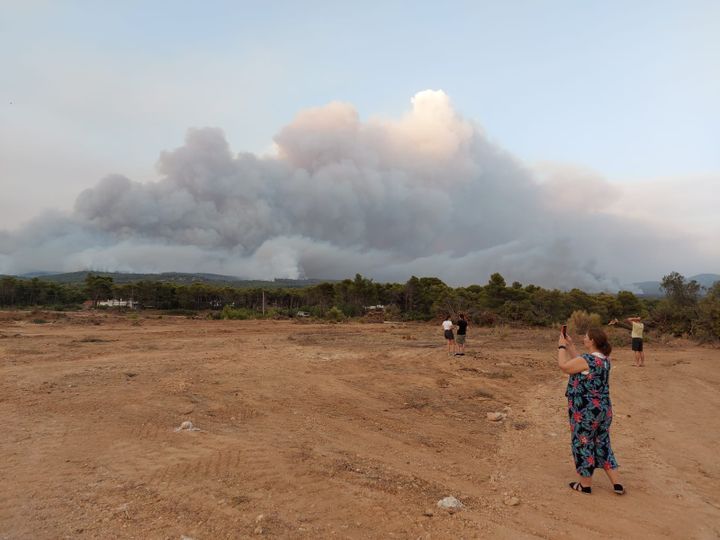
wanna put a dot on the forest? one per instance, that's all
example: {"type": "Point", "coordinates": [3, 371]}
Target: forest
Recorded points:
{"type": "Point", "coordinates": [686, 308]}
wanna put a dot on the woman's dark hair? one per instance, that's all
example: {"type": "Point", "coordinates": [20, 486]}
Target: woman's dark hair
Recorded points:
{"type": "Point", "coordinates": [599, 338]}
{"type": "Point", "coordinates": [462, 316]}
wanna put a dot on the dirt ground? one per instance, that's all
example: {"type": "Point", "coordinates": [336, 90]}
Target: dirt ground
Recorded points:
{"type": "Point", "coordinates": [335, 431]}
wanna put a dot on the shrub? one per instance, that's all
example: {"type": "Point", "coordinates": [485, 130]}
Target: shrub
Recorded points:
{"type": "Point", "coordinates": [334, 314]}
{"type": "Point", "coordinates": [500, 331]}
{"type": "Point", "coordinates": [484, 318]}
{"type": "Point", "coordinates": [512, 311]}
{"type": "Point", "coordinates": [707, 325]}
{"type": "Point", "coordinates": [523, 311]}
{"type": "Point", "coordinates": [618, 337]}
{"type": "Point", "coordinates": [237, 314]}
{"type": "Point", "coordinates": [581, 321]}
{"type": "Point", "coordinates": [392, 313]}
{"type": "Point", "coordinates": [676, 320]}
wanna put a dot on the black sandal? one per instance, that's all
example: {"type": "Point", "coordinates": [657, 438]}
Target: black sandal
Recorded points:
{"type": "Point", "coordinates": [619, 489]}
{"type": "Point", "coordinates": [577, 486]}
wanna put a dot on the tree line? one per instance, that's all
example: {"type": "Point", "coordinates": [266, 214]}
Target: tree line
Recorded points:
{"type": "Point", "coordinates": [683, 310]}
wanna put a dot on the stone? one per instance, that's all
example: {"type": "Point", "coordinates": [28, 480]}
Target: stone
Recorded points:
{"type": "Point", "coordinates": [428, 513]}
{"type": "Point", "coordinates": [495, 416]}
{"type": "Point", "coordinates": [512, 501]}
{"type": "Point", "coordinates": [187, 425]}
{"type": "Point", "coordinates": [260, 518]}
{"type": "Point", "coordinates": [450, 503]}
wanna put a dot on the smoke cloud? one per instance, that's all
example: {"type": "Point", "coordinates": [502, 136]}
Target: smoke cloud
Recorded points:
{"type": "Point", "coordinates": [426, 194]}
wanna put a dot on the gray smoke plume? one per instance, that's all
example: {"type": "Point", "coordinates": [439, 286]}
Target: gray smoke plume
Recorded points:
{"type": "Point", "coordinates": [428, 194]}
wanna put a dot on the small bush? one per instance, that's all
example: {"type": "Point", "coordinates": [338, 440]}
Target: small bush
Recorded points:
{"type": "Point", "coordinates": [500, 331]}
{"type": "Point", "coordinates": [707, 325]}
{"type": "Point", "coordinates": [334, 314]}
{"type": "Point", "coordinates": [237, 314]}
{"type": "Point", "coordinates": [484, 318]}
{"type": "Point", "coordinates": [39, 321]}
{"type": "Point", "coordinates": [581, 321]}
{"type": "Point", "coordinates": [392, 313]}
{"type": "Point", "coordinates": [277, 314]}
{"type": "Point", "coordinates": [618, 337]}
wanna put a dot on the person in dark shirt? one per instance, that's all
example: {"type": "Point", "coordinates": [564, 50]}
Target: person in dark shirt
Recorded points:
{"type": "Point", "coordinates": [461, 334]}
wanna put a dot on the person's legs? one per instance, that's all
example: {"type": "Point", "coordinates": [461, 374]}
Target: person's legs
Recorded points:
{"type": "Point", "coordinates": [637, 358]}
{"type": "Point", "coordinates": [642, 358]}
{"type": "Point", "coordinates": [605, 457]}
{"type": "Point", "coordinates": [460, 344]}
{"type": "Point", "coordinates": [585, 481]}
{"type": "Point", "coordinates": [586, 465]}
{"type": "Point", "coordinates": [583, 455]}
{"type": "Point", "coordinates": [613, 475]}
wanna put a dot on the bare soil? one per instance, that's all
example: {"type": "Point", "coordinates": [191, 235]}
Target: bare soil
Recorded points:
{"type": "Point", "coordinates": [348, 431]}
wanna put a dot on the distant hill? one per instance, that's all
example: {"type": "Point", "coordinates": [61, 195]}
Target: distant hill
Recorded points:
{"type": "Point", "coordinates": [706, 280]}
{"type": "Point", "coordinates": [652, 288]}
{"type": "Point", "coordinates": [647, 288]}
{"type": "Point", "coordinates": [174, 277]}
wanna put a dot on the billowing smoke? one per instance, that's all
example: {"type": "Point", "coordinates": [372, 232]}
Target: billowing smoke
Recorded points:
{"type": "Point", "coordinates": [428, 194]}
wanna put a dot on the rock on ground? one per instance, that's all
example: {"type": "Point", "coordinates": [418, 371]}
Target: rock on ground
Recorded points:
{"type": "Point", "coordinates": [450, 503]}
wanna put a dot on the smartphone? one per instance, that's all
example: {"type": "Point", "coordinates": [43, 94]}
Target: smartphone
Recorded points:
{"type": "Point", "coordinates": [564, 330]}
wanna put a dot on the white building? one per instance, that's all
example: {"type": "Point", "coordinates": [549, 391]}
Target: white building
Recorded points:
{"type": "Point", "coordinates": [118, 302]}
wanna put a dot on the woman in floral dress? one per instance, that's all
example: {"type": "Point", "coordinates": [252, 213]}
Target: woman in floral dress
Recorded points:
{"type": "Point", "coordinates": [589, 407]}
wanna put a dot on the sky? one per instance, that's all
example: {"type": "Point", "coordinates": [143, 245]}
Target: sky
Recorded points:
{"type": "Point", "coordinates": [615, 101]}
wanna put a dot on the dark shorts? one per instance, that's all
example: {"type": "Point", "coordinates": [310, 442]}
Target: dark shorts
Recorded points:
{"type": "Point", "coordinates": [637, 344]}
{"type": "Point", "coordinates": [449, 334]}
{"type": "Point", "coordinates": [460, 339]}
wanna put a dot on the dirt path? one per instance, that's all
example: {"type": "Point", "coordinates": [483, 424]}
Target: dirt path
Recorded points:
{"type": "Point", "coordinates": [665, 437]}
{"type": "Point", "coordinates": [346, 431]}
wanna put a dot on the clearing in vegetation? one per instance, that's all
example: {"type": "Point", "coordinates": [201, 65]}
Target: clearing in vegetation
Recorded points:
{"type": "Point", "coordinates": [352, 430]}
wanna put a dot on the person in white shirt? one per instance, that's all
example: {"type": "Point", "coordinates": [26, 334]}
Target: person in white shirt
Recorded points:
{"type": "Point", "coordinates": [636, 326]}
{"type": "Point", "coordinates": [447, 327]}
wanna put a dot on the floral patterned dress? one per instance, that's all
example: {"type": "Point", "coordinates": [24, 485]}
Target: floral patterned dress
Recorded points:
{"type": "Point", "coordinates": [590, 413]}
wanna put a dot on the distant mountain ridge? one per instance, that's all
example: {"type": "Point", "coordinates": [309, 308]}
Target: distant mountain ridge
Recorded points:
{"type": "Point", "coordinates": [647, 288]}
{"type": "Point", "coordinates": [652, 288]}
{"type": "Point", "coordinates": [179, 278]}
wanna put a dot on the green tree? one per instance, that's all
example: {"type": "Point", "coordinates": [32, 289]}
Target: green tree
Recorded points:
{"type": "Point", "coordinates": [629, 304]}
{"type": "Point", "coordinates": [97, 287]}
{"type": "Point", "coordinates": [677, 311]}
{"type": "Point", "coordinates": [680, 292]}
{"type": "Point", "coordinates": [707, 326]}
{"type": "Point", "coordinates": [496, 291]}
